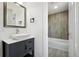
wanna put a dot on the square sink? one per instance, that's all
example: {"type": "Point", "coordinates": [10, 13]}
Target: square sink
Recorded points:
{"type": "Point", "coordinates": [20, 36]}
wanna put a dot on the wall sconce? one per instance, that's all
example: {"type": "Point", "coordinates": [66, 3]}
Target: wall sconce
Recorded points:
{"type": "Point", "coordinates": [32, 20]}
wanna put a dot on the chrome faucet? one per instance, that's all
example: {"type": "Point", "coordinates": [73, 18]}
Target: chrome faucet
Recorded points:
{"type": "Point", "coordinates": [17, 30]}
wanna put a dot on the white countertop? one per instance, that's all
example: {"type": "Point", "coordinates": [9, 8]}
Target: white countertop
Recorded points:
{"type": "Point", "coordinates": [10, 41]}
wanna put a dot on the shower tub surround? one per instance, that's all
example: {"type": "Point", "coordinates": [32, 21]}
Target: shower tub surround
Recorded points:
{"type": "Point", "coordinates": [57, 47]}
{"type": "Point", "coordinates": [58, 25]}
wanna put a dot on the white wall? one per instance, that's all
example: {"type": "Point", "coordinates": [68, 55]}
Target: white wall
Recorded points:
{"type": "Point", "coordinates": [71, 29]}
{"type": "Point", "coordinates": [45, 29]}
{"type": "Point", "coordinates": [77, 29]}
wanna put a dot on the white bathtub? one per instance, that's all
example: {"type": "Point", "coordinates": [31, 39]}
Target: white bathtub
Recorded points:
{"type": "Point", "coordinates": [58, 44]}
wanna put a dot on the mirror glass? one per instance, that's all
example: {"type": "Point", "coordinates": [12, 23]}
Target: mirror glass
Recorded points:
{"type": "Point", "coordinates": [14, 15]}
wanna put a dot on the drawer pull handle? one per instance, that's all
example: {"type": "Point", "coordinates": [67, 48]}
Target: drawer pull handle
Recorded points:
{"type": "Point", "coordinates": [30, 41]}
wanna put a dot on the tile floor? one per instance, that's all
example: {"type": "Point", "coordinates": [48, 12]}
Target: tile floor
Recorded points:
{"type": "Point", "coordinates": [57, 53]}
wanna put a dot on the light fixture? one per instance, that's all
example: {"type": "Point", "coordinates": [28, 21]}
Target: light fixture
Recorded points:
{"type": "Point", "coordinates": [55, 7]}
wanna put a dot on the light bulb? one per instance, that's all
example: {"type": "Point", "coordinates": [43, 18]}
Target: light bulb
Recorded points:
{"type": "Point", "coordinates": [55, 7]}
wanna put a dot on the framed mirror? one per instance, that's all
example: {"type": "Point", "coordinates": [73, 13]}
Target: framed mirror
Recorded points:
{"type": "Point", "coordinates": [14, 15]}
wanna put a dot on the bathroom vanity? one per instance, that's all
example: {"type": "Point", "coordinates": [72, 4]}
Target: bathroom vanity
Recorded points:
{"type": "Point", "coordinates": [18, 48]}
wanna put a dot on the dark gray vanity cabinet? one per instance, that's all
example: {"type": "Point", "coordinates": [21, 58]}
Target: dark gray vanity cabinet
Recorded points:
{"type": "Point", "coordinates": [19, 49]}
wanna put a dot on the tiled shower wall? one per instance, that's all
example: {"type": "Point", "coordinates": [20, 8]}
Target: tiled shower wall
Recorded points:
{"type": "Point", "coordinates": [58, 25]}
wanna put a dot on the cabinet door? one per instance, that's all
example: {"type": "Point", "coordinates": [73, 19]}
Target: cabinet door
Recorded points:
{"type": "Point", "coordinates": [17, 49]}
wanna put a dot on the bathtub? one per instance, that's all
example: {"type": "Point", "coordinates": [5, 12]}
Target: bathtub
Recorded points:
{"type": "Point", "coordinates": [58, 44]}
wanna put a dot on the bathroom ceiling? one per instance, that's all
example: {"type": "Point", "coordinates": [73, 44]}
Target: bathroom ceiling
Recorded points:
{"type": "Point", "coordinates": [55, 7]}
